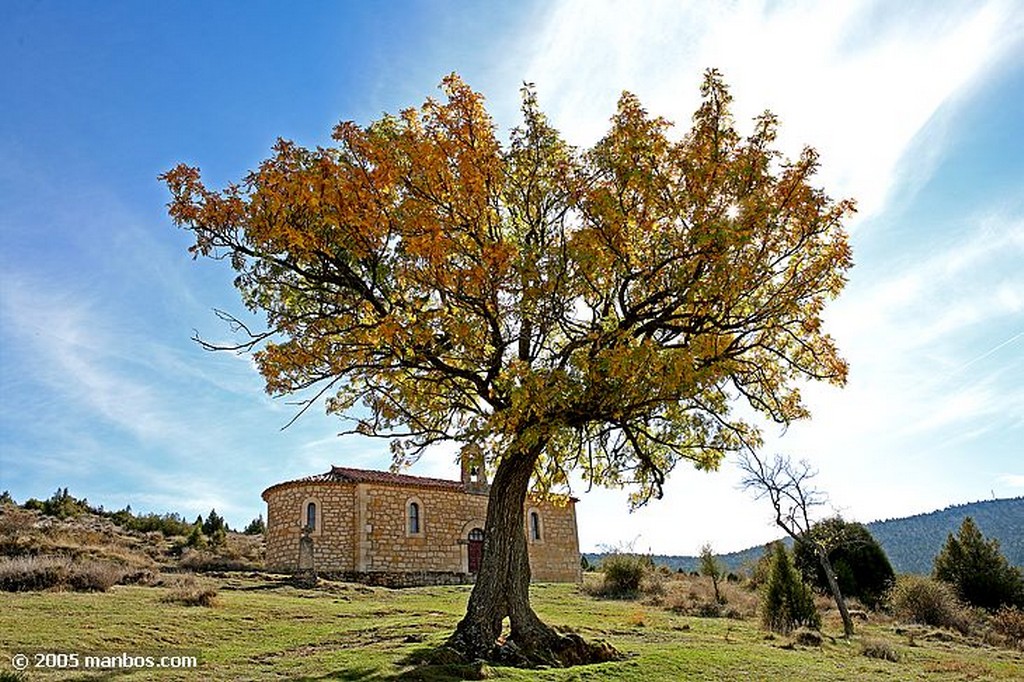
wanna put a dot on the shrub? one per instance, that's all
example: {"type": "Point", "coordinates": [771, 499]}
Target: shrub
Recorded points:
{"type": "Point", "coordinates": [862, 569]}
{"type": "Point", "coordinates": [25, 574]}
{"type": "Point", "coordinates": [95, 576]}
{"type": "Point", "coordinates": [623, 573]}
{"type": "Point", "coordinates": [918, 599]}
{"type": "Point", "coordinates": [195, 595]}
{"type": "Point", "coordinates": [876, 648]}
{"type": "Point", "coordinates": [1009, 622]}
{"type": "Point", "coordinates": [786, 602]}
{"type": "Point", "coordinates": [978, 571]}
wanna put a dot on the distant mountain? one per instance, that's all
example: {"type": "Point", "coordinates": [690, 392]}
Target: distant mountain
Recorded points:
{"type": "Point", "coordinates": [911, 543]}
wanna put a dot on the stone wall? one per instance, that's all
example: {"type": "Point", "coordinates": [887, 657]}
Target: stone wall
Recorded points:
{"type": "Point", "coordinates": [333, 537]}
{"type": "Point", "coordinates": [446, 517]}
{"type": "Point", "coordinates": [364, 529]}
{"type": "Point", "coordinates": [555, 557]}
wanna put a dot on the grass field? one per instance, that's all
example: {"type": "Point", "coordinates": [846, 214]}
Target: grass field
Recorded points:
{"type": "Point", "coordinates": [262, 629]}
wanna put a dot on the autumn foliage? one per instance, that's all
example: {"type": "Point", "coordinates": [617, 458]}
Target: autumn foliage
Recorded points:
{"type": "Point", "coordinates": [596, 310]}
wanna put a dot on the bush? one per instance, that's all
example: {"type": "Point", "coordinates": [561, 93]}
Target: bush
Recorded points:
{"type": "Point", "coordinates": [25, 574]}
{"type": "Point", "coordinates": [876, 648]}
{"type": "Point", "coordinates": [1009, 622]}
{"type": "Point", "coordinates": [623, 573]}
{"type": "Point", "coordinates": [917, 599]}
{"type": "Point", "coordinates": [978, 571]}
{"type": "Point", "coordinates": [189, 592]}
{"type": "Point", "coordinates": [862, 569]}
{"type": "Point", "coordinates": [786, 602]}
{"type": "Point", "coordinates": [95, 576]}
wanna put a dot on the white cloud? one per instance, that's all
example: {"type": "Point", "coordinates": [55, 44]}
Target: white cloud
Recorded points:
{"type": "Point", "coordinates": [856, 80]}
{"type": "Point", "coordinates": [1012, 480]}
{"type": "Point", "coordinates": [929, 330]}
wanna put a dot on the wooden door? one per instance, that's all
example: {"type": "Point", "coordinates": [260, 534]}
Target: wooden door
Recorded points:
{"type": "Point", "coordinates": [476, 549]}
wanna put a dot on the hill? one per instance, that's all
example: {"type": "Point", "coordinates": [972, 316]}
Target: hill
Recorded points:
{"type": "Point", "coordinates": [911, 543]}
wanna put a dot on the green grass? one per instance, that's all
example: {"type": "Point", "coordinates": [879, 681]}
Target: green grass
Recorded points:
{"type": "Point", "coordinates": [262, 630]}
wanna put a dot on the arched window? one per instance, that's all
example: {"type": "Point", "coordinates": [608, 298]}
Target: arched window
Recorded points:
{"type": "Point", "coordinates": [535, 526]}
{"type": "Point", "coordinates": [311, 515]}
{"type": "Point", "coordinates": [414, 517]}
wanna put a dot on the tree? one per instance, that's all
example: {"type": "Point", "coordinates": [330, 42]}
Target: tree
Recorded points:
{"type": "Point", "coordinates": [256, 527]}
{"type": "Point", "coordinates": [787, 602]}
{"type": "Point", "coordinates": [788, 487]}
{"type": "Point", "coordinates": [861, 566]}
{"type": "Point", "coordinates": [214, 522]}
{"type": "Point", "coordinates": [712, 567]}
{"type": "Point", "coordinates": [593, 311]}
{"type": "Point", "coordinates": [977, 569]}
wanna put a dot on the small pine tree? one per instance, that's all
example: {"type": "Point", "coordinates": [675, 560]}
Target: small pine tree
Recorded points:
{"type": "Point", "coordinates": [6, 498]}
{"type": "Point", "coordinates": [196, 539]}
{"type": "Point", "coordinates": [712, 568]}
{"type": "Point", "coordinates": [977, 569]}
{"type": "Point", "coordinates": [213, 523]}
{"type": "Point", "coordinates": [256, 526]}
{"type": "Point", "coordinates": [786, 603]}
{"type": "Point", "coordinates": [219, 537]}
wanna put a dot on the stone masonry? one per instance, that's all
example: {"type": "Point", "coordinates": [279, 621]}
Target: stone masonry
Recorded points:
{"type": "Point", "coordinates": [399, 530]}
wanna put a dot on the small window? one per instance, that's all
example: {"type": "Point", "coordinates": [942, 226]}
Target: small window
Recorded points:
{"type": "Point", "coordinates": [414, 518]}
{"type": "Point", "coordinates": [535, 525]}
{"type": "Point", "coordinates": [311, 515]}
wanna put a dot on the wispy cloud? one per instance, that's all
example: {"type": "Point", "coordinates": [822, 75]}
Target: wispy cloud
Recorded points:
{"type": "Point", "coordinates": [857, 80]}
{"type": "Point", "coordinates": [1012, 480]}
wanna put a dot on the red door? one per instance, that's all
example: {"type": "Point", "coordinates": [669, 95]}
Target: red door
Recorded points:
{"type": "Point", "coordinates": [476, 549]}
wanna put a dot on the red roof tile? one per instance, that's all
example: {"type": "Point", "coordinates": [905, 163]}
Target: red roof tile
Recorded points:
{"type": "Point", "coordinates": [349, 475]}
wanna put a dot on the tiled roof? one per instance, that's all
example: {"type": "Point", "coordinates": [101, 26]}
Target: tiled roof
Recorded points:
{"type": "Point", "coordinates": [349, 475]}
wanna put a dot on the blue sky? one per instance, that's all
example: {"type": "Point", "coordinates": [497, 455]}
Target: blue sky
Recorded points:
{"type": "Point", "coordinates": [917, 109]}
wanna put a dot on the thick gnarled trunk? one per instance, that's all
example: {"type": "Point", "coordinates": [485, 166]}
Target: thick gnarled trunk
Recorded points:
{"type": "Point", "coordinates": [502, 588]}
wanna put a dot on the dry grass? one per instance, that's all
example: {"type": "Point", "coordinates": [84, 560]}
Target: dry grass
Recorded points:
{"type": "Point", "coordinates": [187, 590]}
{"type": "Point", "coordinates": [695, 596]}
{"type": "Point", "coordinates": [23, 574]}
{"type": "Point", "coordinates": [880, 649]}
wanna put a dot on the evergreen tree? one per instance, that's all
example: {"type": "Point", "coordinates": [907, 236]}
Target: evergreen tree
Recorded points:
{"type": "Point", "coordinates": [214, 523]}
{"type": "Point", "coordinates": [977, 569]}
{"type": "Point", "coordinates": [861, 565]}
{"type": "Point", "coordinates": [256, 526]}
{"type": "Point", "coordinates": [711, 567]}
{"type": "Point", "coordinates": [196, 539]}
{"type": "Point", "coordinates": [787, 602]}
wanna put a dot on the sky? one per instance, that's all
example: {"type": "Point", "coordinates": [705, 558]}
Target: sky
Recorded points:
{"type": "Point", "coordinates": [916, 108]}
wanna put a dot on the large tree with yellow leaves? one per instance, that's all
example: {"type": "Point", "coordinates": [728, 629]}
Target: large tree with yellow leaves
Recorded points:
{"type": "Point", "coordinates": [595, 311]}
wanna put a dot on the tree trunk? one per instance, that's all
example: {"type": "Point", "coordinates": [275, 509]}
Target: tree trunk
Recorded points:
{"type": "Point", "coordinates": [833, 586]}
{"type": "Point", "coordinates": [502, 588]}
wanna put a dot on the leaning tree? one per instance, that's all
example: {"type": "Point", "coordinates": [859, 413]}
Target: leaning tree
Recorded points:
{"type": "Point", "coordinates": [593, 311]}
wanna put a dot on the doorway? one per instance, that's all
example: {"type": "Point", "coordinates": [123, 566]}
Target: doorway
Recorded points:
{"type": "Point", "coordinates": [476, 549]}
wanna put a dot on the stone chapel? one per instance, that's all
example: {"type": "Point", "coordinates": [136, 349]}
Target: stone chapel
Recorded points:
{"type": "Point", "coordinates": [398, 530]}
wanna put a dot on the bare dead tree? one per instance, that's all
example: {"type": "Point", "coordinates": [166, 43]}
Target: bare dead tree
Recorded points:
{"type": "Point", "coordinates": [788, 487]}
